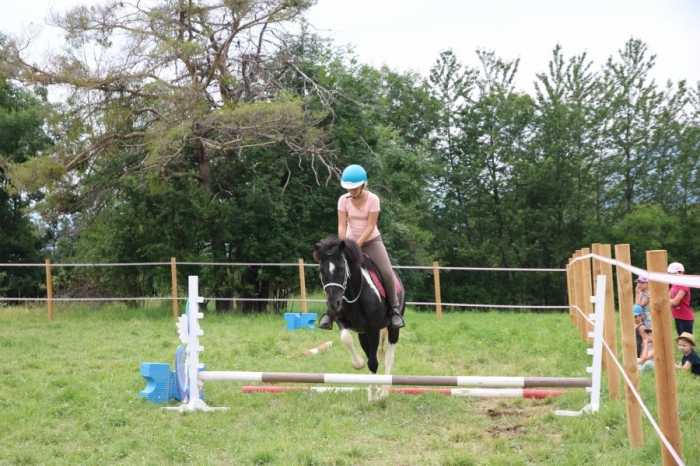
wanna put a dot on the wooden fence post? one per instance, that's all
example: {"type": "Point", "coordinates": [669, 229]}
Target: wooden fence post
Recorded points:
{"type": "Point", "coordinates": [302, 285]}
{"type": "Point", "coordinates": [436, 275]}
{"type": "Point", "coordinates": [570, 290]}
{"type": "Point", "coordinates": [587, 306]}
{"type": "Point", "coordinates": [635, 434]}
{"type": "Point", "coordinates": [173, 279]}
{"type": "Point", "coordinates": [580, 312]}
{"type": "Point", "coordinates": [49, 289]}
{"type": "Point", "coordinates": [595, 271]}
{"type": "Point", "coordinates": [664, 363]}
{"type": "Point", "coordinates": [610, 324]}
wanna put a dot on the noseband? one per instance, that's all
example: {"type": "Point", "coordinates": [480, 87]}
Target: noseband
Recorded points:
{"type": "Point", "coordinates": [345, 282]}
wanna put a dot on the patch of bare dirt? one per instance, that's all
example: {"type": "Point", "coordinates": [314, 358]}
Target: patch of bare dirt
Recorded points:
{"type": "Point", "coordinates": [498, 430]}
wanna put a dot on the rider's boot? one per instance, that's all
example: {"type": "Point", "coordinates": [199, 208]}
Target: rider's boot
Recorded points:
{"type": "Point", "coordinates": [325, 323]}
{"type": "Point", "coordinates": [396, 319]}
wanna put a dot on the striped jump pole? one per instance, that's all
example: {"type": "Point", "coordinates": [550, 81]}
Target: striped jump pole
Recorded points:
{"type": "Point", "coordinates": [448, 381]}
{"type": "Point", "coordinates": [463, 392]}
{"type": "Point", "coordinates": [319, 348]}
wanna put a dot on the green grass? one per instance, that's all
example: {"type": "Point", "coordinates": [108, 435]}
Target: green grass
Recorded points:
{"type": "Point", "coordinates": [69, 395]}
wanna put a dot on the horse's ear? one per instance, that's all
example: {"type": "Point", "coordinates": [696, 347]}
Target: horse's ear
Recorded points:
{"type": "Point", "coordinates": [341, 245]}
{"type": "Point", "coordinates": [317, 246]}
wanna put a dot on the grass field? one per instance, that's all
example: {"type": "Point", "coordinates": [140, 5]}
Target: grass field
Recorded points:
{"type": "Point", "coordinates": [69, 395]}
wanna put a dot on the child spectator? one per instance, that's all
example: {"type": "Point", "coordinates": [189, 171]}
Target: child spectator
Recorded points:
{"type": "Point", "coordinates": [641, 298]}
{"type": "Point", "coordinates": [691, 360]}
{"type": "Point", "coordinates": [639, 328]}
{"type": "Point", "coordinates": [646, 360]}
{"type": "Point", "coordinates": [680, 302]}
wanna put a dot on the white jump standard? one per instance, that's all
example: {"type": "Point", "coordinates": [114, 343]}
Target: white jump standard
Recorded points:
{"type": "Point", "coordinates": [191, 377]}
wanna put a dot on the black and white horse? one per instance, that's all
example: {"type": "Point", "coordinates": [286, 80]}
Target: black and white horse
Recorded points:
{"type": "Point", "coordinates": [355, 302]}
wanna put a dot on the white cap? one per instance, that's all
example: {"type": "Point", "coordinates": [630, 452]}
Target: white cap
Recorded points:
{"type": "Point", "coordinates": [675, 267]}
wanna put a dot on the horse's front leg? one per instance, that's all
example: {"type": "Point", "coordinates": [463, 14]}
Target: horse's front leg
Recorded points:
{"type": "Point", "coordinates": [370, 343]}
{"type": "Point", "coordinates": [346, 338]}
{"type": "Point", "coordinates": [388, 359]}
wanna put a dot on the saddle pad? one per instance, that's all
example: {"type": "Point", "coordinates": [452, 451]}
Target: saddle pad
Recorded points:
{"type": "Point", "coordinates": [380, 286]}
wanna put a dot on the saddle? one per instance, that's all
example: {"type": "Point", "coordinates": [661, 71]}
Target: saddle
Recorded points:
{"type": "Point", "coordinates": [378, 280]}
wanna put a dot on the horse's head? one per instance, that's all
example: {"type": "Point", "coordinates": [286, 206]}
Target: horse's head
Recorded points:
{"type": "Point", "coordinates": [335, 258]}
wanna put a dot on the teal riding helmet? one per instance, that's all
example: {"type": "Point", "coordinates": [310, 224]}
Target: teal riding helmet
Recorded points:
{"type": "Point", "coordinates": [353, 177]}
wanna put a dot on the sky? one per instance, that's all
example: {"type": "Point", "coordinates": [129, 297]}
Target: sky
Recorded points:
{"type": "Point", "coordinates": [410, 34]}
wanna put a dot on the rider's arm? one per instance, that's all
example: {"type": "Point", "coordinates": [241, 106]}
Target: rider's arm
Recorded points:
{"type": "Point", "coordinates": [371, 225]}
{"type": "Point", "coordinates": [342, 224]}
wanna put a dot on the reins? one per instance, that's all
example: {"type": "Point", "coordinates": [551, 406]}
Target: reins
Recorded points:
{"type": "Point", "coordinates": [345, 283]}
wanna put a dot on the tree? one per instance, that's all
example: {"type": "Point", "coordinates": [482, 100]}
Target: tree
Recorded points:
{"type": "Point", "coordinates": [172, 90]}
{"type": "Point", "coordinates": [634, 104]}
{"type": "Point", "coordinates": [556, 188]}
{"type": "Point", "coordinates": [557, 181]}
{"type": "Point", "coordinates": [21, 136]}
{"type": "Point", "coordinates": [479, 220]}
{"type": "Point", "coordinates": [452, 86]}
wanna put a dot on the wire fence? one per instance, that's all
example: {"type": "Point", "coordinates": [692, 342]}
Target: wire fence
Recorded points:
{"type": "Point", "coordinates": [301, 265]}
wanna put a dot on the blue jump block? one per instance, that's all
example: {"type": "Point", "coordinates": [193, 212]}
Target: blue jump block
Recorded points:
{"type": "Point", "coordinates": [160, 382]}
{"type": "Point", "coordinates": [161, 385]}
{"type": "Point", "coordinates": [297, 320]}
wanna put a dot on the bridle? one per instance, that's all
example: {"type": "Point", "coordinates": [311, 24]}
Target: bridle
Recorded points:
{"type": "Point", "coordinates": [345, 282]}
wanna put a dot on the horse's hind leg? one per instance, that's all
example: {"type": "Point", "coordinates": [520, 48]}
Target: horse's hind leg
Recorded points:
{"type": "Point", "coordinates": [383, 335]}
{"type": "Point", "coordinates": [346, 337]}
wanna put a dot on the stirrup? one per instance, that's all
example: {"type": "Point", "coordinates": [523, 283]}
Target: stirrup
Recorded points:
{"type": "Point", "coordinates": [396, 319]}
{"type": "Point", "coordinates": [325, 323]}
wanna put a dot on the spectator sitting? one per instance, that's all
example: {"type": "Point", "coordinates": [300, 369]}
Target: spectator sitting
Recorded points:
{"type": "Point", "coordinates": [691, 360]}
{"type": "Point", "coordinates": [646, 359]}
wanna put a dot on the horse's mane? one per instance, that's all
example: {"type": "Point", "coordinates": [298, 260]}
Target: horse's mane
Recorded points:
{"type": "Point", "coordinates": [334, 245]}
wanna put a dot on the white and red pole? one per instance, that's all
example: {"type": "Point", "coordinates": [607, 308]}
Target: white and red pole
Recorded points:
{"type": "Point", "coordinates": [319, 348]}
{"type": "Point", "coordinates": [463, 392]}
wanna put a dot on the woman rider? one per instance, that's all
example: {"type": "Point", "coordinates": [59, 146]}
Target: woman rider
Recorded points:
{"type": "Point", "coordinates": [358, 211]}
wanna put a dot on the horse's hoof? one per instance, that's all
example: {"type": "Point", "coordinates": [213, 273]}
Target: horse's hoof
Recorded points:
{"type": "Point", "coordinates": [358, 365]}
{"type": "Point", "coordinates": [384, 393]}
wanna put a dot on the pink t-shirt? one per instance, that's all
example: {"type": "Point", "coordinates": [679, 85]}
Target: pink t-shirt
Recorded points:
{"type": "Point", "coordinates": [683, 310]}
{"type": "Point", "coordinates": [358, 218]}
